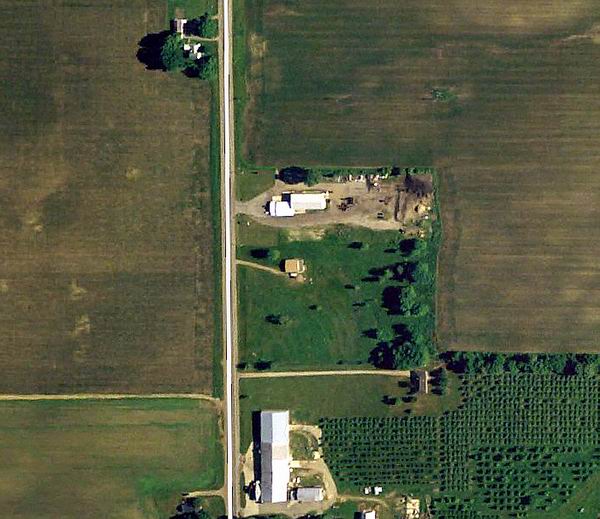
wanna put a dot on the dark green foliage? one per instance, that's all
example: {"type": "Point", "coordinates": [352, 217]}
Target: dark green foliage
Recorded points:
{"type": "Point", "coordinates": [172, 54]}
{"type": "Point", "coordinates": [208, 68]}
{"type": "Point", "coordinates": [518, 444]}
{"type": "Point", "coordinates": [208, 26]}
{"type": "Point", "coordinates": [313, 177]}
{"type": "Point", "coordinates": [471, 362]}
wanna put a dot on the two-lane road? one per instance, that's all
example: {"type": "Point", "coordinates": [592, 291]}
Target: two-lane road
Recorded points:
{"type": "Point", "coordinates": [228, 245]}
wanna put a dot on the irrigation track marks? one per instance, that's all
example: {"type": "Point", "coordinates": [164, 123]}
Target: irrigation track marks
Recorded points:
{"type": "Point", "coordinates": [108, 396]}
{"type": "Point", "coordinates": [325, 373]}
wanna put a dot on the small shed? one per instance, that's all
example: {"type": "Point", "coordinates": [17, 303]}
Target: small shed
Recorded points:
{"type": "Point", "coordinates": [309, 494]}
{"type": "Point", "coordinates": [367, 514]}
{"type": "Point", "coordinates": [421, 381]}
{"type": "Point", "coordinates": [294, 266]}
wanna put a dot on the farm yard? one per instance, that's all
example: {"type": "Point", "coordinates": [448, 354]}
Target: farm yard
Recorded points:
{"type": "Point", "coordinates": [392, 203]}
{"type": "Point", "coordinates": [120, 459]}
{"type": "Point", "coordinates": [107, 275]}
{"type": "Point", "coordinates": [309, 398]}
{"type": "Point", "coordinates": [518, 444]}
{"type": "Point", "coordinates": [346, 311]}
{"type": "Point", "coordinates": [499, 98]}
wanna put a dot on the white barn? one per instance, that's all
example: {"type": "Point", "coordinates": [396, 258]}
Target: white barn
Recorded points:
{"type": "Point", "coordinates": [290, 204]}
{"type": "Point", "coordinates": [274, 456]}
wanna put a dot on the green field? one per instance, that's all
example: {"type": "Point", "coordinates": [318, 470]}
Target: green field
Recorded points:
{"type": "Point", "coordinates": [190, 8]}
{"type": "Point", "coordinates": [106, 196]}
{"type": "Point", "coordinates": [341, 313]}
{"type": "Point", "coordinates": [518, 445]}
{"type": "Point", "coordinates": [513, 139]}
{"type": "Point", "coordinates": [310, 398]}
{"type": "Point", "coordinates": [119, 459]}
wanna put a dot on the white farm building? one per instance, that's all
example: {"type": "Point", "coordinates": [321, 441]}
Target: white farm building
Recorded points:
{"type": "Point", "coordinates": [291, 204]}
{"type": "Point", "coordinates": [274, 456]}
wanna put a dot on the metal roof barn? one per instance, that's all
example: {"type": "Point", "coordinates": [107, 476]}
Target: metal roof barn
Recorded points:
{"type": "Point", "coordinates": [274, 455]}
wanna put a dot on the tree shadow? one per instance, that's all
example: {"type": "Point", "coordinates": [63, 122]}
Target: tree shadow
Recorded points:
{"type": "Point", "coordinates": [150, 48]}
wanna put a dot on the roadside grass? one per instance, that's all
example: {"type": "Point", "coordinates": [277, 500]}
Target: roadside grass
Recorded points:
{"type": "Point", "coordinates": [240, 77]}
{"type": "Point", "coordinates": [340, 313]}
{"type": "Point", "coordinates": [311, 398]}
{"type": "Point", "coordinates": [253, 182]}
{"type": "Point", "coordinates": [121, 459]}
{"type": "Point", "coordinates": [215, 198]}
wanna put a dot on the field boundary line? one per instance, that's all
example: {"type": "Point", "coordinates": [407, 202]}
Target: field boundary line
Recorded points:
{"type": "Point", "coordinates": [325, 373]}
{"type": "Point", "coordinates": [108, 396]}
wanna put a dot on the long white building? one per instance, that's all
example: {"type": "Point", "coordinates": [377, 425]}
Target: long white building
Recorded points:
{"type": "Point", "coordinates": [290, 204]}
{"type": "Point", "coordinates": [274, 456]}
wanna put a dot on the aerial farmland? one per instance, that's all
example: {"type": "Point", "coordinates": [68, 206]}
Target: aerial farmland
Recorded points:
{"type": "Point", "coordinates": [501, 99]}
{"type": "Point", "coordinates": [103, 286]}
{"type": "Point", "coordinates": [111, 360]}
{"type": "Point", "coordinates": [121, 459]}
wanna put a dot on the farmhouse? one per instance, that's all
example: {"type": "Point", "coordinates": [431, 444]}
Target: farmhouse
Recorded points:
{"type": "Point", "coordinates": [291, 204]}
{"type": "Point", "coordinates": [294, 267]}
{"type": "Point", "coordinates": [179, 26]}
{"type": "Point", "coordinates": [194, 50]}
{"type": "Point", "coordinates": [274, 456]}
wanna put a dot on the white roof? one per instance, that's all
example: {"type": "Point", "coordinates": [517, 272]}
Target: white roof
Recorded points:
{"type": "Point", "coordinates": [274, 455]}
{"type": "Point", "coordinates": [369, 514]}
{"type": "Point", "coordinates": [309, 494]}
{"type": "Point", "coordinates": [308, 201]}
{"type": "Point", "coordinates": [280, 209]}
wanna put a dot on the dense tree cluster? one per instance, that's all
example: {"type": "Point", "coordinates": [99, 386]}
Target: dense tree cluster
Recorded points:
{"type": "Point", "coordinates": [470, 362]}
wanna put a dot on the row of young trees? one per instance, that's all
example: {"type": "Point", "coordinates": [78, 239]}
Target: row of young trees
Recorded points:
{"type": "Point", "coordinates": [542, 363]}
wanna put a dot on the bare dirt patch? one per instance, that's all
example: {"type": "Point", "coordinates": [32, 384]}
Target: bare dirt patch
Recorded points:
{"type": "Point", "coordinates": [395, 203]}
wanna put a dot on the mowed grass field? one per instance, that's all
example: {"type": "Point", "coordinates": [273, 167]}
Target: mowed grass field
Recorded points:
{"type": "Point", "coordinates": [107, 275]}
{"type": "Point", "coordinates": [118, 459]}
{"type": "Point", "coordinates": [516, 147]}
{"type": "Point", "coordinates": [339, 314]}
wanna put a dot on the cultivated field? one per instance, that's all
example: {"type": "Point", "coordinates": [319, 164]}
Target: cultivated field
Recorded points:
{"type": "Point", "coordinates": [515, 141]}
{"type": "Point", "coordinates": [98, 162]}
{"type": "Point", "coordinates": [519, 445]}
{"type": "Point", "coordinates": [118, 459]}
{"type": "Point", "coordinates": [520, 200]}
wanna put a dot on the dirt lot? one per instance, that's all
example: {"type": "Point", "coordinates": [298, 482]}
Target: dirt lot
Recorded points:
{"type": "Point", "coordinates": [97, 154]}
{"type": "Point", "coordinates": [385, 204]}
{"type": "Point", "coordinates": [515, 142]}
{"type": "Point", "coordinates": [123, 460]}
